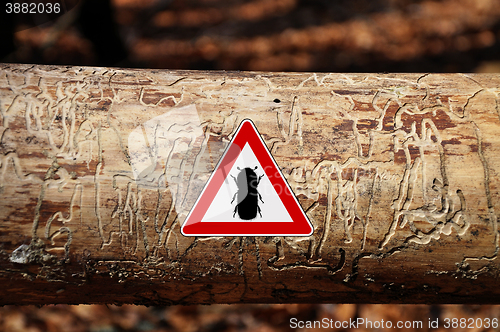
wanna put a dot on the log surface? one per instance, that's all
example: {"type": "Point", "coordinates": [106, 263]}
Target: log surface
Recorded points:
{"type": "Point", "coordinates": [398, 173]}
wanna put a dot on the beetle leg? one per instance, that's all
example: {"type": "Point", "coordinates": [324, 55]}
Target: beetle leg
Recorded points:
{"type": "Point", "coordinates": [260, 177]}
{"type": "Point", "coordinates": [235, 210]}
{"type": "Point", "coordinates": [260, 198]}
{"type": "Point", "coordinates": [258, 209]}
{"type": "Point", "coordinates": [236, 193]}
{"type": "Point", "coordinates": [234, 179]}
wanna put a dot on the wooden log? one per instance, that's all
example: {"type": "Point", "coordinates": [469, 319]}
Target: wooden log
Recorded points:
{"type": "Point", "coordinates": [398, 173]}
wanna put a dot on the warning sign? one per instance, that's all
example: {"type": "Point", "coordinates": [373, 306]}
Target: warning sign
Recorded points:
{"type": "Point", "coordinates": [247, 195]}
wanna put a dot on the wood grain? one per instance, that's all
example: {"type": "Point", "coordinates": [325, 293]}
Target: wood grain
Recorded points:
{"type": "Point", "coordinates": [399, 174]}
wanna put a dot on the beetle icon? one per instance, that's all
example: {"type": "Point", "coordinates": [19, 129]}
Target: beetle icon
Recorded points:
{"type": "Point", "coordinates": [247, 195]}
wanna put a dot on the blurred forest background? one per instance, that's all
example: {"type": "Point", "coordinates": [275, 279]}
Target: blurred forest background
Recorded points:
{"type": "Point", "coordinates": [267, 35]}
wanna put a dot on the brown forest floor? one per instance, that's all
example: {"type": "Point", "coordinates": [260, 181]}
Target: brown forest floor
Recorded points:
{"type": "Point", "coordinates": [269, 35]}
{"type": "Point", "coordinates": [229, 318]}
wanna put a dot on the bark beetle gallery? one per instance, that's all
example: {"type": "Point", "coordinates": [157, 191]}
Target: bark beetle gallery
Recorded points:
{"type": "Point", "coordinates": [399, 174]}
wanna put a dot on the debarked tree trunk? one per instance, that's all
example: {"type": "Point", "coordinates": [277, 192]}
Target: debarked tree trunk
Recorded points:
{"type": "Point", "coordinates": [399, 175]}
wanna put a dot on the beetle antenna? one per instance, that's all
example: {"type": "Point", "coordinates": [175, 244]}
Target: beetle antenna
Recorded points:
{"type": "Point", "coordinates": [255, 167]}
{"type": "Point", "coordinates": [238, 168]}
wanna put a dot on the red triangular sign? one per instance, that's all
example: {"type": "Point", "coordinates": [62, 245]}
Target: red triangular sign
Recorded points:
{"type": "Point", "coordinates": [247, 195]}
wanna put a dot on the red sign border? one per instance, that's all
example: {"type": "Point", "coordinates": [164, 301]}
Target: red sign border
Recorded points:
{"type": "Point", "coordinates": [246, 133]}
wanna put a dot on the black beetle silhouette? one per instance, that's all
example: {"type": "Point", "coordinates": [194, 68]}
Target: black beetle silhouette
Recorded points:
{"type": "Point", "coordinates": [248, 196]}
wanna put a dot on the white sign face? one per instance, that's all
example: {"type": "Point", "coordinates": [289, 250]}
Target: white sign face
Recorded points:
{"type": "Point", "coordinates": [271, 206]}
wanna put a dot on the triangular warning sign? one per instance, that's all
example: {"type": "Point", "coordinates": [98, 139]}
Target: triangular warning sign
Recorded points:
{"type": "Point", "coordinates": [247, 195]}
